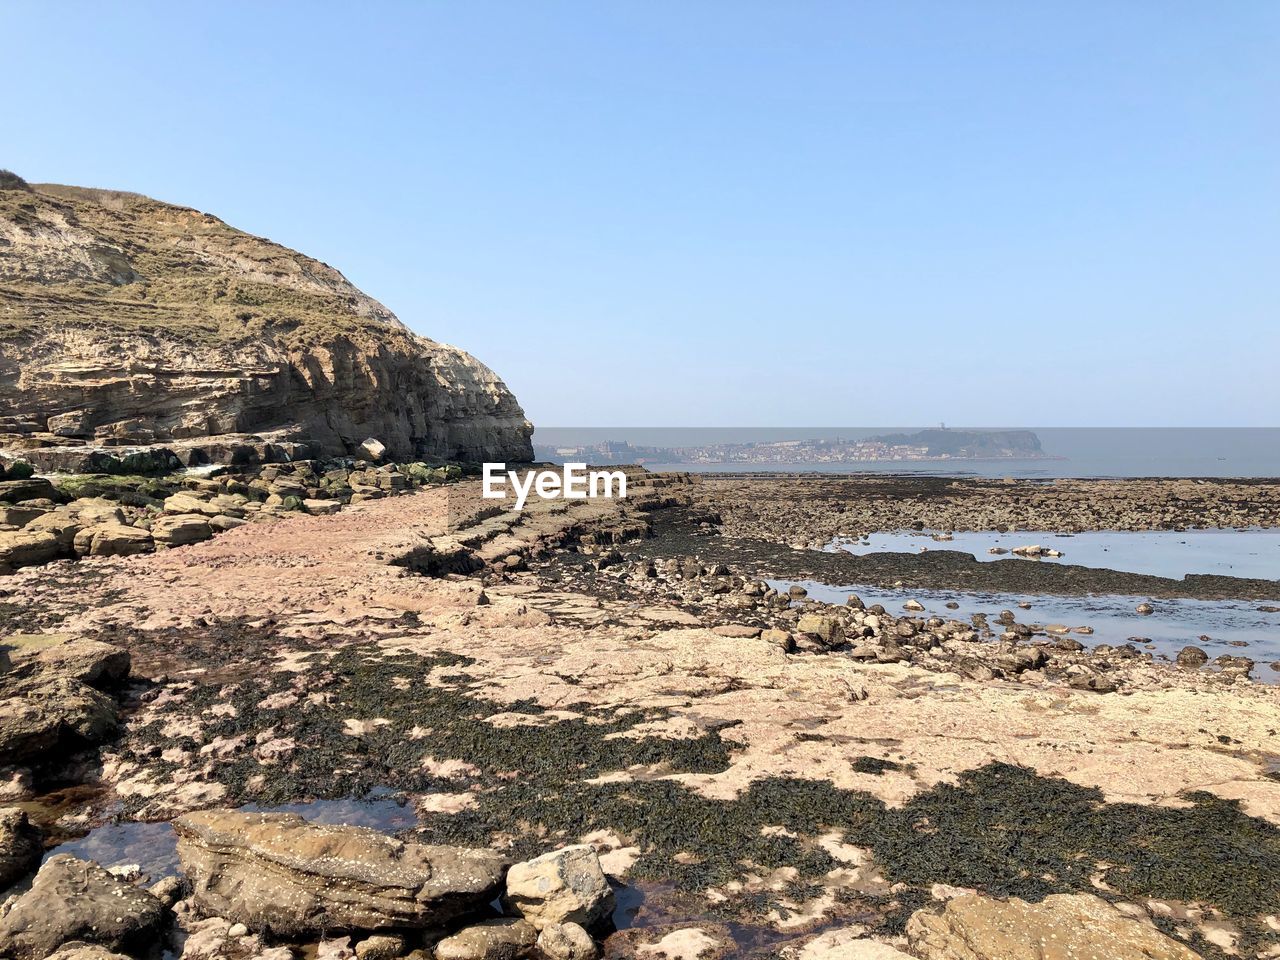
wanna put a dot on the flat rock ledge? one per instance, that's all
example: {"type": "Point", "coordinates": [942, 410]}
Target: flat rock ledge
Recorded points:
{"type": "Point", "coordinates": [280, 873]}
{"type": "Point", "coordinates": [1060, 927]}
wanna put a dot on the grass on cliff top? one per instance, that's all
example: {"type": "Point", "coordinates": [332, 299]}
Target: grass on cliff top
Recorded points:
{"type": "Point", "coordinates": [144, 277]}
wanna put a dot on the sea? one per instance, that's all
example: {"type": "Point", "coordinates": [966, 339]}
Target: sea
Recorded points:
{"type": "Point", "coordinates": [1070, 451]}
{"type": "Point", "coordinates": [1220, 628]}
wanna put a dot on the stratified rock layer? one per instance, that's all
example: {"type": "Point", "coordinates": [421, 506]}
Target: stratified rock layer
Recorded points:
{"type": "Point", "coordinates": [124, 320]}
{"type": "Point", "coordinates": [277, 872]}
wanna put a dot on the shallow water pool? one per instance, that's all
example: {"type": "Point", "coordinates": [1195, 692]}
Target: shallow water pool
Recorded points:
{"type": "Point", "coordinates": [1252, 554]}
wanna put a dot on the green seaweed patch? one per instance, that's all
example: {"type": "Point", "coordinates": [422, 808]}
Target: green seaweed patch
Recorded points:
{"type": "Point", "coordinates": [878, 766]}
{"type": "Point", "coordinates": [413, 720]}
{"type": "Point", "coordinates": [1001, 829]}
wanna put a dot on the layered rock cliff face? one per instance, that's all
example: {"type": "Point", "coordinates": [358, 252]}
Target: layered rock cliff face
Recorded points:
{"type": "Point", "coordinates": [126, 321]}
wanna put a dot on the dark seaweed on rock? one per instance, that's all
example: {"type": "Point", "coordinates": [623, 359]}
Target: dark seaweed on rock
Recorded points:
{"type": "Point", "coordinates": [1001, 829]}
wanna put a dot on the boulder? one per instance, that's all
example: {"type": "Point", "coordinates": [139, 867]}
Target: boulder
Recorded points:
{"type": "Point", "coordinates": [49, 701]}
{"type": "Point", "coordinates": [565, 885]}
{"type": "Point", "coordinates": [1061, 927]}
{"type": "Point", "coordinates": [32, 488]}
{"type": "Point", "coordinates": [321, 508]}
{"type": "Point", "coordinates": [20, 845]}
{"type": "Point", "coordinates": [178, 530]}
{"type": "Point", "coordinates": [566, 941]}
{"type": "Point", "coordinates": [1192, 657]}
{"type": "Point", "coordinates": [373, 449]}
{"type": "Point", "coordinates": [76, 900]}
{"type": "Point", "coordinates": [113, 540]}
{"type": "Point", "coordinates": [27, 548]}
{"type": "Point", "coordinates": [504, 939]}
{"type": "Point", "coordinates": [93, 510]}
{"type": "Point", "coordinates": [280, 873]}
{"type": "Point", "coordinates": [828, 629]}
{"type": "Point", "coordinates": [60, 523]}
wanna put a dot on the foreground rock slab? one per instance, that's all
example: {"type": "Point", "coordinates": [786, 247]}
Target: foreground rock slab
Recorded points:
{"type": "Point", "coordinates": [280, 873]}
{"type": "Point", "coordinates": [1061, 927]}
{"type": "Point", "coordinates": [76, 900]}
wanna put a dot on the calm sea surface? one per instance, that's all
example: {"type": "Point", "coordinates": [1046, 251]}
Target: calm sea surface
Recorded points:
{"type": "Point", "coordinates": [1078, 451]}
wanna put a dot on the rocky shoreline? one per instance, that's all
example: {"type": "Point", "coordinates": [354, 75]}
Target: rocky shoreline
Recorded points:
{"type": "Point", "coordinates": [616, 736]}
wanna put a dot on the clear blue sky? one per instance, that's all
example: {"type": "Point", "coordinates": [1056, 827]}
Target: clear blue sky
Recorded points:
{"type": "Point", "coordinates": [728, 213]}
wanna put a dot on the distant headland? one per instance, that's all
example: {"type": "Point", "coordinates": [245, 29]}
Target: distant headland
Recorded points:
{"type": "Point", "coordinates": [938, 443]}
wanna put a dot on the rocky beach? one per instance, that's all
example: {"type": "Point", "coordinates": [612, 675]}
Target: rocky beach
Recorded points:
{"type": "Point", "coordinates": [735, 769]}
{"type": "Point", "coordinates": [277, 680]}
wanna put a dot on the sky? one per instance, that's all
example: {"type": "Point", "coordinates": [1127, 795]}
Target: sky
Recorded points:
{"type": "Point", "coordinates": [727, 212]}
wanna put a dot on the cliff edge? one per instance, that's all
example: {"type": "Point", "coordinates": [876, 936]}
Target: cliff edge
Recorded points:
{"type": "Point", "coordinates": [125, 321]}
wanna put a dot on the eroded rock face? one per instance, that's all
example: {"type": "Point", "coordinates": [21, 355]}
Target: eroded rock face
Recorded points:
{"type": "Point", "coordinates": [76, 900]}
{"type": "Point", "coordinates": [1061, 927]}
{"type": "Point", "coordinates": [123, 319]}
{"type": "Point", "coordinates": [278, 872]}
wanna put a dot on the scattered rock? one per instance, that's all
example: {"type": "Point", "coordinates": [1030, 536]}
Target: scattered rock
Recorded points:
{"type": "Point", "coordinates": [72, 900]}
{"type": "Point", "coordinates": [382, 946]}
{"type": "Point", "coordinates": [178, 530]}
{"type": "Point", "coordinates": [566, 941]}
{"type": "Point", "coordinates": [504, 939]}
{"type": "Point", "coordinates": [1145, 609]}
{"type": "Point", "coordinates": [564, 885]}
{"type": "Point", "coordinates": [736, 631]}
{"type": "Point", "coordinates": [1192, 657]}
{"type": "Point", "coordinates": [373, 449]}
{"type": "Point", "coordinates": [280, 873]}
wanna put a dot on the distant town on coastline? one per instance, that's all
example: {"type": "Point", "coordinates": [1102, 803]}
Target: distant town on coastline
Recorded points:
{"type": "Point", "coordinates": [938, 443]}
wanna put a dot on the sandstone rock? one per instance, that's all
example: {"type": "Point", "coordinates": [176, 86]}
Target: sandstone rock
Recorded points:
{"type": "Point", "coordinates": [779, 638]}
{"type": "Point", "coordinates": [34, 488]}
{"type": "Point", "coordinates": [27, 548]}
{"type": "Point", "coordinates": [1192, 657]}
{"type": "Point", "coordinates": [20, 516]}
{"type": "Point", "coordinates": [72, 900]}
{"type": "Point", "coordinates": [1061, 927]}
{"type": "Point", "coordinates": [48, 701]}
{"type": "Point", "coordinates": [60, 524]}
{"type": "Point", "coordinates": [374, 449]}
{"type": "Point", "coordinates": [845, 943]}
{"type": "Point", "coordinates": [383, 946]}
{"type": "Point", "coordinates": [311, 358]}
{"type": "Point", "coordinates": [113, 540]}
{"type": "Point", "coordinates": [567, 941]}
{"type": "Point", "coordinates": [828, 629]}
{"type": "Point", "coordinates": [80, 950]}
{"type": "Point", "coordinates": [504, 939]}
{"type": "Point", "coordinates": [736, 631]}
{"type": "Point", "coordinates": [181, 529]}
{"type": "Point", "coordinates": [93, 510]}
{"type": "Point", "coordinates": [20, 845]}
{"type": "Point", "coordinates": [277, 872]}
{"type": "Point", "coordinates": [321, 508]}
{"type": "Point", "coordinates": [564, 885]}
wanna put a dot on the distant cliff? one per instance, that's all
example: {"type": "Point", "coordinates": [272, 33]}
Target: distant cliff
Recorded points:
{"type": "Point", "coordinates": [124, 320]}
{"type": "Point", "coordinates": [969, 444]}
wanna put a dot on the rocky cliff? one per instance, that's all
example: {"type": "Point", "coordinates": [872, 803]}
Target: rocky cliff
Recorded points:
{"type": "Point", "coordinates": [126, 321]}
